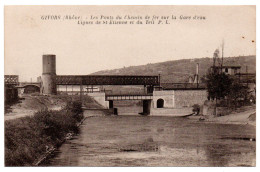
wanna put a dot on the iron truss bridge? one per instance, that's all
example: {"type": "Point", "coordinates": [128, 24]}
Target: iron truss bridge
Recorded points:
{"type": "Point", "coordinates": [129, 97]}
{"type": "Point", "coordinates": [11, 79]}
{"type": "Point", "coordinates": [106, 80]}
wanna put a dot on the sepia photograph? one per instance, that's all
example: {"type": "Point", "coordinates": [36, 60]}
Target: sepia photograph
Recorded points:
{"type": "Point", "coordinates": [129, 86]}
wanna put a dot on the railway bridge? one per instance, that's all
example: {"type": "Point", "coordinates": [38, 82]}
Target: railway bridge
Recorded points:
{"type": "Point", "coordinates": [156, 101]}
{"type": "Point", "coordinates": [50, 81]}
{"type": "Point", "coordinates": [167, 101]}
{"type": "Point", "coordinates": [146, 98]}
{"type": "Point", "coordinates": [100, 80]}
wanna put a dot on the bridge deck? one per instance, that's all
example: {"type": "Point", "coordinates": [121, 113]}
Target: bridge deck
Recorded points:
{"type": "Point", "coordinates": [130, 97]}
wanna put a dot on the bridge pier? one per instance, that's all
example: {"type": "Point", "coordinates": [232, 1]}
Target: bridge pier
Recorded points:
{"type": "Point", "coordinates": [147, 107]}
{"type": "Point", "coordinates": [111, 107]}
{"type": "Point", "coordinates": [111, 104]}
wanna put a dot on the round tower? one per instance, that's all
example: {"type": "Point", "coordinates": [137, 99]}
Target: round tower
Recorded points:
{"type": "Point", "coordinates": [48, 74]}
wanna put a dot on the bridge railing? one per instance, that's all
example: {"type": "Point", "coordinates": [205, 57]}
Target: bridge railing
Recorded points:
{"type": "Point", "coordinates": [129, 94]}
{"type": "Point", "coordinates": [77, 92]}
{"type": "Point", "coordinates": [129, 97]}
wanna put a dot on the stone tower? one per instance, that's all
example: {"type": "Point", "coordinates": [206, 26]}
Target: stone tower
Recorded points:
{"type": "Point", "coordinates": [48, 85]}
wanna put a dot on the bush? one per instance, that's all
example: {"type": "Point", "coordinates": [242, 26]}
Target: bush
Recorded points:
{"type": "Point", "coordinates": [26, 138]}
{"type": "Point", "coordinates": [196, 109]}
{"type": "Point", "coordinates": [75, 107]}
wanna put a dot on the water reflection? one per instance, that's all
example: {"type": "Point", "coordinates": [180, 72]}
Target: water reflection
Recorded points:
{"type": "Point", "coordinates": [156, 141]}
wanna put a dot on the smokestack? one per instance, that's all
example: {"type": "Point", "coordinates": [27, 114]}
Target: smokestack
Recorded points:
{"type": "Point", "coordinates": [196, 79]}
{"type": "Point", "coordinates": [197, 69]}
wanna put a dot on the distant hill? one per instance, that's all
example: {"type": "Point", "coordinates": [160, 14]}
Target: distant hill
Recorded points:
{"type": "Point", "coordinates": [181, 70]}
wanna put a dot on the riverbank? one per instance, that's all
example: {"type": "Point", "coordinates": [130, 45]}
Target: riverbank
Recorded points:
{"type": "Point", "coordinates": [29, 104]}
{"type": "Point", "coordinates": [244, 116]}
{"type": "Point", "coordinates": [28, 138]}
{"type": "Point", "coordinates": [51, 153]}
{"type": "Point", "coordinates": [37, 124]}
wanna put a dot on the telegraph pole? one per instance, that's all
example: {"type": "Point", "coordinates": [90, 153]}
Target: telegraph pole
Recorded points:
{"type": "Point", "coordinates": [197, 74]}
{"type": "Point", "coordinates": [222, 54]}
{"type": "Point", "coordinates": [246, 76]}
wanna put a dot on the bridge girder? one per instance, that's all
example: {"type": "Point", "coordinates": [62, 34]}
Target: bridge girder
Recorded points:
{"type": "Point", "coordinates": [129, 97]}
{"type": "Point", "coordinates": [11, 79]}
{"type": "Point", "coordinates": [106, 80]}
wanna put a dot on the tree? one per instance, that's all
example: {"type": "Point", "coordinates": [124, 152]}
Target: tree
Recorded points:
{"type": "Point", "coordinates": [218, 85]}
{"type": "Point", "coordinates": [223, 86]}
{"type": "Point", "coordinates": [237, 92]}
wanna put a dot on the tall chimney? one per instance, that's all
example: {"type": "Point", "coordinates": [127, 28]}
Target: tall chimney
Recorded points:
{"type": "Point", "coordinates": [196, 77]}
{"type": "Point", "coordinates": [197, 69]}
{"type": "Point", "coordinates": [48, 74]}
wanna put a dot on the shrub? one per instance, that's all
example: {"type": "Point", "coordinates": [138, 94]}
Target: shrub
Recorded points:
{"type": "Point", "coordinates": [26, 138]}
{"type": "Point", "coordinates": [76, 108]}
{"type": "Point", "coordinates": [196, 109]}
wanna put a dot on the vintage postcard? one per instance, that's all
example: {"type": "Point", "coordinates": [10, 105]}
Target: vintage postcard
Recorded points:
{"type": "Point", "coordinates": [151, 86]}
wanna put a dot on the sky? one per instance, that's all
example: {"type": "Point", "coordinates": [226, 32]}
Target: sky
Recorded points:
{"type": "Point", "coordinates": [81, 50]}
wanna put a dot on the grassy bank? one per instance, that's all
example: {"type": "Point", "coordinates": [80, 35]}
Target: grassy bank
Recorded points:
{"type": "Point", "coordinates": [29, 104]}
{"type": "Point", "coordinates": [27, 138]}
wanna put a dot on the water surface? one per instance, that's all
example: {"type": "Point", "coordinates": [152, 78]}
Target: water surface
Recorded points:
{"type": "Point", "coordinates": [156, 141]}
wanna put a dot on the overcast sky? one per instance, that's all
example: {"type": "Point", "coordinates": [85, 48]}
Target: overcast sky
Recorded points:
{"type": "Point", "coordinates": [90, 48]}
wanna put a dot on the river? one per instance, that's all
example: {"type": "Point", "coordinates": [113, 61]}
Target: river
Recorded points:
{"type": "Point", "coordinates": [129, 140]}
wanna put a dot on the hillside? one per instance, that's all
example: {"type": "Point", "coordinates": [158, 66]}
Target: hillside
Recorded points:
{"type": "Point", "coordinates": [180, 70]}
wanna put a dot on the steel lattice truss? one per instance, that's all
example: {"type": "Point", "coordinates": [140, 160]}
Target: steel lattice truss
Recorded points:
{"type": "Point", "coordinates": [106, 80]}
{"type": "Point", "coordinates": [11, 79]}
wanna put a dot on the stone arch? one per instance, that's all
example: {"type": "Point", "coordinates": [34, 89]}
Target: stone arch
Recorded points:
{"type": "Point", "coordinates": [31, 89]}
{"type": "Point", "coordinates": [160, 103]}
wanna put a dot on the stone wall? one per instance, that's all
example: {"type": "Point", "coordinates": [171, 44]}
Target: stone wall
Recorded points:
{"type": "Point", "coordinates": [166, 95]}
{"type": "Point", "coordinates": [171, 111]}
{"type": "Point", "coordinates": [179, 98]}
{"type": "Point", "coordinates": [210, 110]}
{"type": "Point", "coordinates": [187, 98]}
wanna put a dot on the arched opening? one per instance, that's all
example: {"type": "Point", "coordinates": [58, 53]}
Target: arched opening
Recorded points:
{"type": "Point", "coordinates": [31, 89]}
{"type": "Point", "coordinates": [226, 70]}
{"type": "Point", "coordinates": [160, 103]}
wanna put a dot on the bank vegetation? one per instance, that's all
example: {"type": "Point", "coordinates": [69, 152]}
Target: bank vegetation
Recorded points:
{"type": "Point", "coordinates": [28, 138]}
